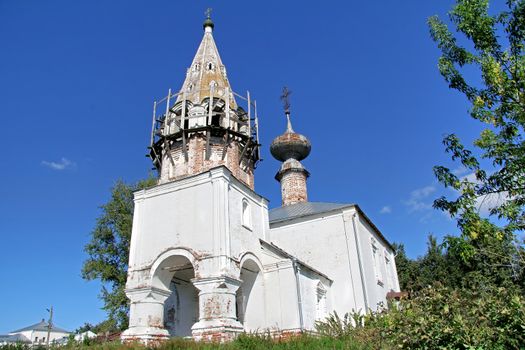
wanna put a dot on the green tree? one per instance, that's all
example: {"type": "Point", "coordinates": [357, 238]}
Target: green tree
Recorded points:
{"type": "Point", "coordinates": [407, 269]}
{"type": "Point", "coordinates": [494, 44]}
{"type": "Point", "coordinates": [108, 251]}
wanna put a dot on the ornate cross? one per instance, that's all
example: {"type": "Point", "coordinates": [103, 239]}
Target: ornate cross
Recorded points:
{"type": "Point", "coordinates": [285, 97]}
{"type": "Point", "coordinates": [208, 12]}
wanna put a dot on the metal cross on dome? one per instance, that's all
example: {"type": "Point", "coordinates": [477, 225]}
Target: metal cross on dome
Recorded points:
{"type": "Point", "coordinates": [285, 97]}
{"type": "Point", "coordinates": [208, 12]}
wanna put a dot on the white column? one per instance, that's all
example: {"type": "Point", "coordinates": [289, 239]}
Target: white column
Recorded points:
{"type": "Point", "coordinates": [217, 309]}
{"type": "Point", "coordinates": [146, 322]}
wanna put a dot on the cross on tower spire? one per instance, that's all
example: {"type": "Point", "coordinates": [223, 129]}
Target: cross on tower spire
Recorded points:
{"type": "Point", "coordinates": [208, 23]}
{"type": "Point", "coordinates": [285, 97]}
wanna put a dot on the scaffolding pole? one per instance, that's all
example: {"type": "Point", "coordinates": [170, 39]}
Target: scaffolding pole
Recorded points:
{"type": "Point", "coordinates": [153, 123]}
{"type": "Point", "coordinates": [249, 112]}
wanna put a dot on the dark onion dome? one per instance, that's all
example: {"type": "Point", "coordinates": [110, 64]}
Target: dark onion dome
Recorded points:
{"type": "Point", "coordinates": [290, 145]}
{"type": "Point", "coordinates": [208, 23]}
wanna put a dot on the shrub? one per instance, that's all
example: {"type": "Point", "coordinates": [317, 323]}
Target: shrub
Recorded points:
{"type": "Point", "coordinates": [439, 318]}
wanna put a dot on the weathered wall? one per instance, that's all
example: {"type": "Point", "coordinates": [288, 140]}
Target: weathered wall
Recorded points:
{"type": "Point", "coordinates": [293, 187]}
{"type": "Point", "coordinates": [380, 279]}
{"type": "Point", "coordinates": [328, 243]}
{"type": "Point", "coordinates": [221, 153]}
{"type": "Point", "coordinates": [213, 223]}
{"type": "Point", "coordinates": [321, 242]}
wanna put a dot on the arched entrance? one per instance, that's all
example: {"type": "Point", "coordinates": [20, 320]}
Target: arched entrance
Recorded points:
{"type": "Point", "coordinates": [250, 296]}
{"type": "Point", "coordinates": [181, 308]}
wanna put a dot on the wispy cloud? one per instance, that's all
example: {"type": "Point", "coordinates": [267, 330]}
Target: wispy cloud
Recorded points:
{"type": "Point", "coordinates": [460, 170]}
{"type": "Point", "coordinates": [63, 164]}
{"type": "Point", "coordinates": [488, 201]}
{"type": "Point", "coordinates": [386, 210]}
{"type": "Point", "coordinates": [418, 200]}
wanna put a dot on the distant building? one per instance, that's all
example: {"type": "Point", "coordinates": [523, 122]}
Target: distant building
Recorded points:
{"type": "Point", "coordinates": [35, 334]}
{"type": "Point", "coordinates": [207, 257]}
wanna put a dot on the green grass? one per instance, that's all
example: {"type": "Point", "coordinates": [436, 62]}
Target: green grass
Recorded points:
{"type": "Point", "coordinates": [248, 342]}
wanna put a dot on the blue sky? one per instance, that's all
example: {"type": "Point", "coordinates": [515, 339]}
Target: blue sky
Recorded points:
{"type": "Point", "coordinates": [77, 83]}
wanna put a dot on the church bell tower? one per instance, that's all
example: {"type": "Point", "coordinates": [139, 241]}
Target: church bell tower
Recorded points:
{"type": "Point", "coordinates": [203, 126]}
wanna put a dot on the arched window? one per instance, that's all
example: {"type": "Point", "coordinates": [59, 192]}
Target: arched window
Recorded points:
{"type": "Point", "coordinates": [210, 66]}
{"type": "Point", "coordinates": [246, 214]}
{"type": "Point", "coordinates": [377, 262]}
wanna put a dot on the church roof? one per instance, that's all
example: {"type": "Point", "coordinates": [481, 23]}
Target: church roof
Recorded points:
{"type": "Point", "coordinates": [304, 209]}
{"type": "Point", "coordinates": [40, 326]}
{"type": "Point", "coordinates": [297, 210]}
{"type": "Point", "coordinates": [206, 69]}
{"type": "Point", "coordinates": [13, 338]}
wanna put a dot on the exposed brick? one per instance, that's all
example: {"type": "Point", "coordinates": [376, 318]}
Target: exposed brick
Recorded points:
{"type": "Point", "coordinates": [197, 162]}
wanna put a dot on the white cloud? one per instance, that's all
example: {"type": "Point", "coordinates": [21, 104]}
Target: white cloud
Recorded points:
{"type": "Point", "coordinates": [460, 170]}
{"type": "Point", "coordinates": [489, 201]}
{"type": "Point", "coordinates": [386, 210]}
{"type": "Point", "coordinates": [418, 200]}
{"type": "Point", "coordinates": [63, 164]}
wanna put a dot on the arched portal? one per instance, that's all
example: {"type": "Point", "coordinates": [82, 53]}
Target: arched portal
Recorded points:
{"type": "Point", "coordinates": [181, 308]}
{"type": "Point", "coordinates": [250, 296]}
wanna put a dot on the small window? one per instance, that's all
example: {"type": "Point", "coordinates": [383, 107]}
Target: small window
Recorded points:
{"type": "Point", "coordinates": [43, 339]}
{"type": "Point", "coordinates": [36, 339]}
{"type": "Point", "coordinates": [197, 67]}
{"type": "Point", "coordinates": [190, 87]}
{"type": "Point", "coordinates": [246, 214]}
{"type": "Point", "coordinates": [210, 66]}
{"type": "Point", "coordinates": [376, 260]}
{"type": "Point", "coordinates": [388, 269]}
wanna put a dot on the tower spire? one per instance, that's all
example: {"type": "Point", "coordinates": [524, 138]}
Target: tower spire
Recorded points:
{"type": "Point", "coordinates": [205, 127]}
{"type": "Point", "coordinates": [207, 70]}
{"type": "Point", "coordinates": [290, 148]}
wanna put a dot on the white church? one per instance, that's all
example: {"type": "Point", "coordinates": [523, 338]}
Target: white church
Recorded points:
{"type": "Point", "coordinates": [208, 259]}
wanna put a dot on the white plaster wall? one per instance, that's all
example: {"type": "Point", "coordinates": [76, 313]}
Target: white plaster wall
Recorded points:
{"type": "Point", "coordinates": [201, 213]}
{"type": "Point", "coordinates": [377, 288]}
{"type": "Point", "coordinates": [328, 242]}
{"type": "Point", "coordinates": [251, 301]}
{"type": "Point", "coordinates": [308, 284]}
{"type": "Point", "coordinates": [245, 238]}
{"type": "Point", "coordinates": [281, 296]}
{"type": "Point", "coordinates": [32, 335]}
{"type": "Point", "coordinates": [171, 215]}
{"type": "Point", "coordinates": [181, 308]}
{"type": "Point", "coordinates": [323, 243]}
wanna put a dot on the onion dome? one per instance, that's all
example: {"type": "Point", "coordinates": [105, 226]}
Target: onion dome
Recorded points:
{"type": "Point", "coordinates": [290, 145]}
{"type": "Point", "coordinates": [208, 23]}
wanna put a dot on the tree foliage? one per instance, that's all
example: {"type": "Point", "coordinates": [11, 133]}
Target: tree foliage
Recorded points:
{"type": "Point", "coordinates": [494, 44]}
{"type": "Point", "coordinates": [439, 318]}
{"type": "Point", "coordinates": [108, 251]}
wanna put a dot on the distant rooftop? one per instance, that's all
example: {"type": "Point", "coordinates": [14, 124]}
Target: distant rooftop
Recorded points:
{"type": "Point", "coordinates": [40, 326]}
{"type": "Point", "coordinates": [13, 338]}
{"type": "Point", "coordinates": [303, 209]}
